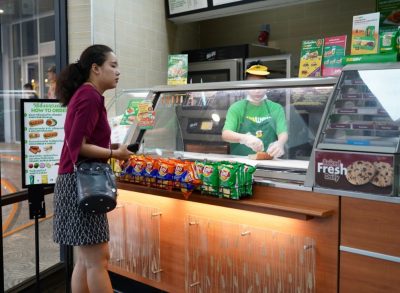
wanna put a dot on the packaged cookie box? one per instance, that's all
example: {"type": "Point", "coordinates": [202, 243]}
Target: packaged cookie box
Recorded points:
{"type": "Point", "coordinates": [357, 172]}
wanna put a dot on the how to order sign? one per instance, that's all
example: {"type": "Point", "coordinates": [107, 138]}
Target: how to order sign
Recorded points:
{"type": "Point", "coordinates": [42, 139]}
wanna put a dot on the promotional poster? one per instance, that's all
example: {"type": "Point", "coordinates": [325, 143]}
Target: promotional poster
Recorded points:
{"type": "Point", "coordinates": [368, 173]}
{"type": "Point", "coordinates": [177, 69]}
{"type": "Point", "coordinates": [311, 58]}
{"type": "Point", "coordinates": [365, 34]}
{"type": "Point", "coordinates": [334, 50]}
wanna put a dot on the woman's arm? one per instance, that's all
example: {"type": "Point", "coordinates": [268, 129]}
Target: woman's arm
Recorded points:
{"type": "Point", "coordinates": [93, 151]}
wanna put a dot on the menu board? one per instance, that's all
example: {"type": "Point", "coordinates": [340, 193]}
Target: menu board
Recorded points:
{"type": "Point", "coordinates": [221, 2]}
{"type": "Point", "coordinates": [181, 6]}
{"type": "Point", "coordinates": [42, 138]}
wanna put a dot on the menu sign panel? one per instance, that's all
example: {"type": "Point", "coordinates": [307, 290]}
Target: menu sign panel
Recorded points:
{"type": "Point", "coordinates": [367, 173]}
{"type": "Point", "coordinates": [42, 139]}
{"type": "Point", "coordinates": [222, 2]}
{"type": "Point", "coordinates": [181, 6]}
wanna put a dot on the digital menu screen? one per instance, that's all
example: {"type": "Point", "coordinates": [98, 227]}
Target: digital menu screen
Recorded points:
{"type": "Point", "coordinates": [42, 139]}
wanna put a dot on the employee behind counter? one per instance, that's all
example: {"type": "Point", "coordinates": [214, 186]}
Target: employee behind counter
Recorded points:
{"type": "Point", "coordinates": [256, 124]}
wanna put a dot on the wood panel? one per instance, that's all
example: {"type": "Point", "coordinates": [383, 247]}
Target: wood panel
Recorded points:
{"type": "Point", "coordinates": [371, 225]}
{"type": "Point", "coordinates": [265, 200]}
{"type": "Point", "coordinates": [360, 273]}
{"type": "Point", "coordinates": [172, 226]}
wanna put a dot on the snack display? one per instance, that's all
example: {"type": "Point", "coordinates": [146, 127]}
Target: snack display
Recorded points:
{"type": "Point", "coordinates": [220, 179]}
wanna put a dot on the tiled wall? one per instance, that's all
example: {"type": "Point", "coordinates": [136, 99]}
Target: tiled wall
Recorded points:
{"type": "Point", "coordinates": [79, 27]}
{"type": "Point", "coordinates": [289, 25]}
{"type": "Point", "coordinates": [138, 32]}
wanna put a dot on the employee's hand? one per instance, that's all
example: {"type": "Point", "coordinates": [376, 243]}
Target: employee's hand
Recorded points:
{"type": "Point", "coordinates": [276, 149]}
{"type": "Point", "coordinates": [252, 142]}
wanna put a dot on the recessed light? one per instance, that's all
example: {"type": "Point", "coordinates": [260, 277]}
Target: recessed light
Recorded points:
{"type": "Point", "coordinates": [1, 11]}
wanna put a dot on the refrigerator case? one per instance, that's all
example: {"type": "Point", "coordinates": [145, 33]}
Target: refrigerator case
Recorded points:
{"type": "Point", "coordinates": [357, 146]}
{"type": "Point", "coordinates": [190, 118]}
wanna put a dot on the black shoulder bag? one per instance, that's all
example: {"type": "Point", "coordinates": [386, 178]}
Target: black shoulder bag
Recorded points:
{"type": "Point", "coordinates": [96, 186]}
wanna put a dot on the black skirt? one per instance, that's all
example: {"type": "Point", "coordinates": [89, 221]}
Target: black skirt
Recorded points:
{"type": "Point", "coordinates": [71, 226]}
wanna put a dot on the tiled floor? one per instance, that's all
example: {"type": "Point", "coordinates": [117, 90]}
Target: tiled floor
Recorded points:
{"type": "Point", "coordinates": [19, 250]}
{"type": "Point", "coordinates": [19, 230]}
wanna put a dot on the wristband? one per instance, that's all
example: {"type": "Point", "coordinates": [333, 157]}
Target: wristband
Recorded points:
{"type": "Point", "coordinates": [110, 154]}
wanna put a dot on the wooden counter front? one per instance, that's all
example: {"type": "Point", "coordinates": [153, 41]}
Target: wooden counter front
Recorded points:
{"type": "Point", "coordinates": [298, 213]}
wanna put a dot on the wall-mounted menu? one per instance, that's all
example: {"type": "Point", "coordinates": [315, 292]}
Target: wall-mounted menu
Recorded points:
{"type": "Point", "coordinates": [181, 6]}
{"type": "Point", "coordinates": [42, 140]}
{"type": "Point", "coordinates": [222, 2]}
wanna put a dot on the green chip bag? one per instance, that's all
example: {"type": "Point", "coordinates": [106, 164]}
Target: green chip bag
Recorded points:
{"type": "Point", "coordinates": [228, 180]}
{"type": "Point", "coordinates": [248, 179]}
{"type": "Point", "coordinates": [210, 178]}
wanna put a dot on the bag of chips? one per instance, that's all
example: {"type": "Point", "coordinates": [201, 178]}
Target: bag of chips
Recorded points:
{"type": "Point", "coordinates": [165, 174]}
{"type": "Point", "coordinates": [229, 180]}
{"type": "Point", "coordinates": [210, 179]}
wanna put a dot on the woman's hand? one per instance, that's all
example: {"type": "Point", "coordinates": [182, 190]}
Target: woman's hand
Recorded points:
{"type": "Point", "coordinates": [122, 153]}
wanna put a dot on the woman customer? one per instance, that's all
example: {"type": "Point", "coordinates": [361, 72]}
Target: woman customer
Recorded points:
{"type": "Point", "coordinates": [80, 86]}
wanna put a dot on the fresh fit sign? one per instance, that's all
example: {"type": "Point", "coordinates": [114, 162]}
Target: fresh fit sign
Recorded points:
{"type": "Point", "coordinates": [357, 172]}
{"type": "Point", "coordinates": [331, 169]}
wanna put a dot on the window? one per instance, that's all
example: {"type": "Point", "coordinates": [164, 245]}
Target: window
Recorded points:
{"type": "Point", "coordinates": [29, 38]}
{"type": "Point", "coordinates": [46, 28]}
{"type": "Point", "coordinates": [16, 40]}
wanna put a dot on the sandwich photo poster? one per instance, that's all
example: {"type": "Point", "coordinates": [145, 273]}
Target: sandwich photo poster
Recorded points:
{"type": "Point", "coordinates": [334, 50]}
{"type": "Point", "coordinates": [177, 69]}
{"type": "Point", "coordinates": [311, 58]}
{"type": "Point", "coordinates": [42, 139]}
{"type": "Point", "coordinates": [365, 34]}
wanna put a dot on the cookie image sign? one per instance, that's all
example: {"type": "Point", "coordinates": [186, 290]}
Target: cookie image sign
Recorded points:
{"type": "Point", "coordinates": [367, 173]}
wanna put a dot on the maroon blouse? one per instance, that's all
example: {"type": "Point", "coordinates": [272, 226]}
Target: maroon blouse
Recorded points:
{"type": "Point", "coordinates": [86, 117]}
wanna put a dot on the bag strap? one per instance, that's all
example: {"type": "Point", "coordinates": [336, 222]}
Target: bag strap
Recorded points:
{"type": "Point", "coordinates": [70, 156]}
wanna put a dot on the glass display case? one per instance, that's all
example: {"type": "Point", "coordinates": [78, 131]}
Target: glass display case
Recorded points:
{"type": "Point", "coordinates": [189, 120]}
{"type": "Point", "coordinates": [357, 146]}
{"type": "Point", "coordinates": [363, 114]}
